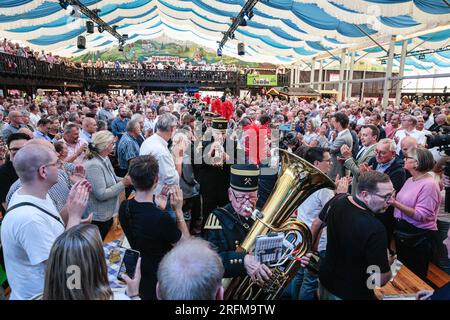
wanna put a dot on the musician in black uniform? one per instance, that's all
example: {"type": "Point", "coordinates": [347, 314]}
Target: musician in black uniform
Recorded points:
{"type": "Point", "coordinates": [227, 227]}
{"type": "Point", "coordinates": [212, 166]}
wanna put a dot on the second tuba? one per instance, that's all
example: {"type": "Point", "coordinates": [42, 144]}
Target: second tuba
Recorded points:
{"type": "Point", "coordinates": [297, 181]}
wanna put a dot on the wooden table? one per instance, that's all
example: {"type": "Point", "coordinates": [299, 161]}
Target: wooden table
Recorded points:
{"type": "Point", "coordinates": [405, 282]}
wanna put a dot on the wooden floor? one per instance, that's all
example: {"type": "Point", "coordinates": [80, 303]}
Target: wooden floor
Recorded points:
{"type": "Point", "coordinates": [116, 232]}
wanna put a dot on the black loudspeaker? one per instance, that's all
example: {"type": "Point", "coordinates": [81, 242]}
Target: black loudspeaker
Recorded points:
{"type": "Point", "coordinates": [89, 27]}
{"type": "Point", "coordinates": [241, 49]}
{"type": "Point", "coordinates": [81, 42]}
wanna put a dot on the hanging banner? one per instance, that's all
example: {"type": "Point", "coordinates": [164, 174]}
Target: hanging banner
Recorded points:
{"type": "Point", "coordinates": [269, 80]}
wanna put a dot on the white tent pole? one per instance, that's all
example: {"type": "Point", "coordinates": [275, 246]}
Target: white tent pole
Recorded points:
{"type": "Point", "coordinates": [350, 77]}
{"type": "Point", "coordinates": [320, 74]}
{"type": "Point", "coordinates": [341, 76]}
{"type": "Point", "coordinates": [292, 80]}
{"type": "Point", "coordinates": [388, 75]}
{"type": "Point", "coordinates": [401, 72]}
{"type": "Point", "coordinates": [313, 70]}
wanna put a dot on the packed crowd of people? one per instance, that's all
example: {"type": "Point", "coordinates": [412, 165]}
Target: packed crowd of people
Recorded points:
{"type": "Point", "coordinates": [159, 65]}
{"type": "Point", "coordinates": [182, 175]}
{"type": "Point", "coordinates": [26, 52]}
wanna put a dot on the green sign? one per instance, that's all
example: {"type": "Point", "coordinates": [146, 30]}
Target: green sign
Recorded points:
{"type": "Point", "coordinates": [262, 80]}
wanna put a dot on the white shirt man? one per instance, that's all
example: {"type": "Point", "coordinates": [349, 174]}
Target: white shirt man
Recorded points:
{"type": "Point", "coordinates": [157, 147]}
{"type": "Point", "coordinates": [27, 237]}
{"type": "Point", "coordinates": [418, 135]}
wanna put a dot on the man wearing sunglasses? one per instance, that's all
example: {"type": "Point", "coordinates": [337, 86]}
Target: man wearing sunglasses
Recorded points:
{"type": "Point", "coordinates": [227, 227]}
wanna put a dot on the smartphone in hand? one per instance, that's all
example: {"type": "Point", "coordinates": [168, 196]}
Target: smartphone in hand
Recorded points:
{"type": "Point", "coordinates": [128, 265]}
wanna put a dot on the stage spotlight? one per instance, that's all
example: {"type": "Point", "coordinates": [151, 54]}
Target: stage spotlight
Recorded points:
{"type": "Point", "coordinates": [89, 27]}
{"type": "Point", "coordinates": [383, 61]}
{"type": "Point", "coordinates": [81, 42]}
{"type": "Point", "coordinates": [73, 10]}
{"type": "Point", "coordinates": [421, 56]}
{"type": "Point", "coordinates": [243, 22]}
{"type": "Point", "coordinates": [232, 36]}
{"type": "Point", "coordinates": [120, 46]}
{"type": "Point", "coordinates": [249, 14]}
{"type": "Point", "coordinates": [219, 52]}
{"type": "Point", "coordinates": [241, 48]}
{"type": "Point", "coordinates": [100, 29]}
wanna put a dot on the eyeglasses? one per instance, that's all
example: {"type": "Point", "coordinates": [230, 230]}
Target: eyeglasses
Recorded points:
{"type": "Point", "coordinates": [380, 152]}
{"type": "Point", "coordinates": [56, 163]}
{"type": "Point", "coordinates": [243, 198]}
{"type": "Point", "coordinates": [406, 157]}
{"type": "Point", "coordinates": [385, 197]}
{"type": "Point", "coordinates": [326, 160]}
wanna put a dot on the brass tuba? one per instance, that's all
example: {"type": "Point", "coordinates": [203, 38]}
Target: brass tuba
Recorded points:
{"type": "Point", "coordinates": [297, 181]}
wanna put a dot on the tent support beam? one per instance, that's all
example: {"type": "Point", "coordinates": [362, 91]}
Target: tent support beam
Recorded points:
{"type": "Point", "coordinates": [388, 75]}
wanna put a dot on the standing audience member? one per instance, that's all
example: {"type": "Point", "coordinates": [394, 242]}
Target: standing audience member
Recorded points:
{"type": "Point", "coordinates": [106, 186]}
{"type": "Point", "coordinates": [32, 222]}
{"type": "Point", "coordinates": [76, 147]}
{"type": "Point", "coordinates": [150, 230]}
{"type": "Point", "coordinates": [89, 127]}
{"type": "Point", "coordinates": [128, 147]}
{"type": "Point", "coordinates": [369, 135]}
{"type": "Point", "coordinates": [15, 123]}
{"type": "Point", "coordinates": [8, 174]}
{"type": "Point", "coordinates": [42, 129]}
{"type": "Point", "coordinates": [157, 146]}
{"type": "Point", "coordinates": [416, 209]}
{"type": "Point", "coordinates": [387, 161]}
{"type": "Point", "coordinates": [342, 136]}
{"type": "Point", "coordinates": [357, 241]}
{"type": "Point", "coordinates": [182, 276]}
{"type": "Point", "coordinates": [119, 125]}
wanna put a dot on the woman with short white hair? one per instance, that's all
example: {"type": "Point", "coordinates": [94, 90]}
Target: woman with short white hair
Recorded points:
{"type": "Point", "coordinates": [106, 186]}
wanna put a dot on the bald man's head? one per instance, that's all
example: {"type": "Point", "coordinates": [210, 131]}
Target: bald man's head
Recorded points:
{"type": "Point", "coordinates": [42, 142]}
{"type": "Point", "coordinates": [89, 125]}
{"type": "Point", "coordinates": [407, 143]}
{"type": "Point", "coordinates": [31, 158]}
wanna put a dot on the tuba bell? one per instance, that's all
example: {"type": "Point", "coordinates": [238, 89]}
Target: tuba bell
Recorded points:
{"type": "Point", "coordinates": [297, 181]}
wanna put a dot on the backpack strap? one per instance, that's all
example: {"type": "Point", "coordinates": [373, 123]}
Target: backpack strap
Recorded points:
{"type": "Point", "coordinates": [23, 204]}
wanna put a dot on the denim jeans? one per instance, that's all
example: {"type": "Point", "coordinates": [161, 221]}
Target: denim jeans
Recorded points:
{"type": "Point", "coordinates": [305, 284]}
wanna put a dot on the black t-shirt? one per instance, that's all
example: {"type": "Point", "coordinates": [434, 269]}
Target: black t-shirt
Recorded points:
{"type": "Point", "coordinates": [152, 232]}
{"type": "Point", "coordinates": [8, 176]}
{"type": "Point", "coordinates": [356, 240]}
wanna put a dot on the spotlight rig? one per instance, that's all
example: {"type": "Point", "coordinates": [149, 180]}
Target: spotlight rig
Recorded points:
{"type": "Point", "coordinates": [241, 20]}
{"type": "Point", "coordinates": [94, 17]}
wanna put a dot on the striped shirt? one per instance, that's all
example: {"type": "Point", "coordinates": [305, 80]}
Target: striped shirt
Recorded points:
{"type": "Point", "coordinates": [58, 193]}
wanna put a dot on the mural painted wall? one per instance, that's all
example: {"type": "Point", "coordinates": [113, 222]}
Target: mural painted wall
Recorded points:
{"type": "Point", "coordinates": [189, 52]}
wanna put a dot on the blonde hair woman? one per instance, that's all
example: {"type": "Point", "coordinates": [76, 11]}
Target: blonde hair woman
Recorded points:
{"type": "Point", "coordinates": [106, 186]}
{"type": "Point", "coordinates": [81, 246]}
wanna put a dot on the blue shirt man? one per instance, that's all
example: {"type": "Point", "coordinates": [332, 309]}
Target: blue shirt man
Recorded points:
{"type": "Point", "coordinates": [119, 125]}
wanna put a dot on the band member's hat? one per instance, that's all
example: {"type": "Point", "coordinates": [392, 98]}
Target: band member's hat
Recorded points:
{"type": "Point", "coordinates": [209, 115]}
{"type": "Point", "coordinates": [220, 124]}
{"type": "Point", "coordinates": [244, 177]}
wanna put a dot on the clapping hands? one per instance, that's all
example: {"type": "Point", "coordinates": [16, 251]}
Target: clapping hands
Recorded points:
{"type": "Point", "coordinates": [342, 184]}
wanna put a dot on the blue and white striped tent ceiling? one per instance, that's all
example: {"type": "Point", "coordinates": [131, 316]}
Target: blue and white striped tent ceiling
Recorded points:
{"type": "Point", "coordinates": [280, 32]}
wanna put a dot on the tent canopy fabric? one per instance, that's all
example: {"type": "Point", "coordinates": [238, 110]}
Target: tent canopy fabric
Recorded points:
{"type": "Point", "coordinates": [280, 32]}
